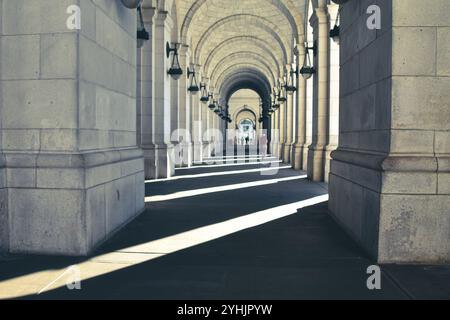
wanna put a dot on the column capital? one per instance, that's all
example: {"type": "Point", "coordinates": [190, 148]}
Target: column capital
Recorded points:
{"type": "Point", "coordinates": [148, 14]}
{"type": "Point", "coordinates": [320, 15]}
{"type": "Point", "coordinates": [163, 19]}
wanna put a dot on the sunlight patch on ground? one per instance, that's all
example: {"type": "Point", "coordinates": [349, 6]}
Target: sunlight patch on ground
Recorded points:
{"type": "Point", "coordinates": [31, 284]}
{"type": "Point", "coordinates": [221, 173]}
{"type": "Point", "coordinates": [197, 192]}
{"type": "Point", "coordinates": [229, 165]}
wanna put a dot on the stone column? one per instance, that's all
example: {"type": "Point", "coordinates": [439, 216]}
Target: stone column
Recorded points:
{"type": "Point", "coordinates": [289, 128]}
{"type": "Point", "coordinates": [298, 150]}
{"type": "Point", "coordinates": [282, 129]}
{"type": "Point", "coordinates": [196, 125]}
{"type": "Point", "coordinates": [147, 95]}
{"type": "Point", "coordinates": [211, 116]}
{"type": "Point", "coordinates": [333, 133]}
{"type": "Point", "coordinates": [4, 218]}
{"type": "Point", "coordinates": [390, 176]}
{"type": "Point", "coordinates": [309, 121]}
{"type": "Point", "coordinates": [71, 167]}
{"type": "Point", "coordinates": [164, 155]}
{"type": "Point", "coordinates": [184, 135]}
{"type": "Point", "coordinates": [205, 126]}
{"type": "Point", "coordinates": [276, 134]}
{"type": "Point", "coordinates": [174, 130]}
{"type": "Point", "coordinates": [317, 150]}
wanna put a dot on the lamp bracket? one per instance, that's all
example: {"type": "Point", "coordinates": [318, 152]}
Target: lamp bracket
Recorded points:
{"type": "Point", "coordinates": [169, 49]}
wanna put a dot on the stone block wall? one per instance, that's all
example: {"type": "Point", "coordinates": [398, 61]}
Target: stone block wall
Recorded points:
{"type": "Point", "coordinates": [389, 182]}
{"type": "Point", "coordinates": [74, 173]}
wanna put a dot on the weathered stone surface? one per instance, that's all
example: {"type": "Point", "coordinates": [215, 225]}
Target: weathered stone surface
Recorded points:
{"type": "Point", "coordinates": [68, 126]}
{"type": "Point", "coordinates": [394, 126]}
{"type": "Point", "coordinates": [414, 228]}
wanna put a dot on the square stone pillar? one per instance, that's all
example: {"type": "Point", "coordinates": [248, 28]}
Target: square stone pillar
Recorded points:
{"type": "Point", "coordinates": [333, 125]}
{"type": "Point", "coordinates": [282, 129]}
{"type": "Point", "coordinates": [74, 173]}
{"type": "Point", "coordinates": [276, 134]}
{"type": "Point", "coordinates": [204, 111]}
{"type": "Point", "coordinates": [390, 177]}
{"type": "Point", "coordinates": [147, 95]}
{"type": "Point", "coordinates": [317, 150]}
{"type": "Point", "coordinates": [287, 150]}
{"type": "Point", "coordinates": [298, 149]}
{"type": "Point", "coordinates": [184, 112]}
{"type": "Point", "coordinates": [161, 110]}
{"type": "Point", "coordinates": [196, 124]}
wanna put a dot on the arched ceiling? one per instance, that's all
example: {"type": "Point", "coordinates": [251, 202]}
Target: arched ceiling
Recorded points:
{"type": "Point", "coordinates": [241, 43]}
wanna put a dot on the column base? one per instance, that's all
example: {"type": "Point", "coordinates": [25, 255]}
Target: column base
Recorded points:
{"type": "Point", "coordinates": [287, 151]}
{"type": "Point", "coordinates": [275, 148]}
{"type": "Point", "coordinates": [328, 151]}
{"type": "Point", "coordinates": [316, 163]}
{"type": "Point", "coordinates": [395, 207]}
{"type": "Point", "coordinates": [159, 161]}
{"type": "Point", "coordinates": [305, 156]}
{"type": "Point", "coordinates": [68, 204]}
{"type": "Point", "coordinates": [4, 220]}
{"type": "Point", "coordinates": [298, 153]}
{"type": "Point", "coordinates": [165, 164]}
{"type": "Point", "coordinates": [198, 152]}
{"type": "Point", "coordinates": [182, 154]}
{"type": "Point", "coordinates": [206, 149]}
{"type": "Point", "coordinates": [281, 151]}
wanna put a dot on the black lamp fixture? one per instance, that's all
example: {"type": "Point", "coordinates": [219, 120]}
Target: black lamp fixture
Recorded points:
{"type": "Point", "coordinates": [213, 103]}
{"type": "Point", "coordinates": [308, 69]}
{"type": "Point", "coordinates": [175, 70]}
{"type": "Point", "coordinates": [275, 104]}
{"type": "Point", "coordinates": [205, 96]}
{"type": "Point", "coordinates": [281, 93]}
{"type": "Point", "coordinates": [335, 32]}
{"type": "Point", "coordinates": [193, 86]}
{"type": "Point", "coordinates": [290, 78]}
{"type": "Point", "coordinates": [142, 34]}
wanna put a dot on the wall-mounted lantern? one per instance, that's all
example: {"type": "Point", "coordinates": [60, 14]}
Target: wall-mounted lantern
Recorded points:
{"type": "Point", "coordinates": [213, 103]}
{"type": "Point", "coordinates": [308, 69]}
{"type": "Point", "coordinates": [132, 4]}
{"type": "Point", "coordinates": [281, 93]}
{"type": "Point", "coordinates": [290, 78]}
{"type": "Point", "coordinates": [335, 32]}
{"type": "Point", "coordinates": [175, 70]}
{"type": "Point", "coordinates": [142, 34]}
{"type": "Point", "coordinates": [275, 104]}
{"type": "Point", "coordinates": [205, 96]}
{"type": "Point", "coordinates": [193, 86]}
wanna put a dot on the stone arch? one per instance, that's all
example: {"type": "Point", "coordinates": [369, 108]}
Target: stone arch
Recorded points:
{"type": "Point", "coordinates": [286, 7]}
{"type": "Point", "coordinates": [248, 40]}
{"type": "Point", "coordinates": [247, 19]}
{"type": "Point", "coordinates": [243, 113]}
{"type": "Point", "coordinates": [243, 109]}
{"type": "Point", "coordinates": [250, 79]}
{"type": "Point", "coordinates": [273, 65]}
{"type": "Point", "coordinates": [243, 67]}
{"type": "Point", "coordinates": [243, 57]}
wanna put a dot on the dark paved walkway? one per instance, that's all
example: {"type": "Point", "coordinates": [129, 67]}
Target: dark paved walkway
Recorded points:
{"type": "Point", "coordinates": [245, 242]}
